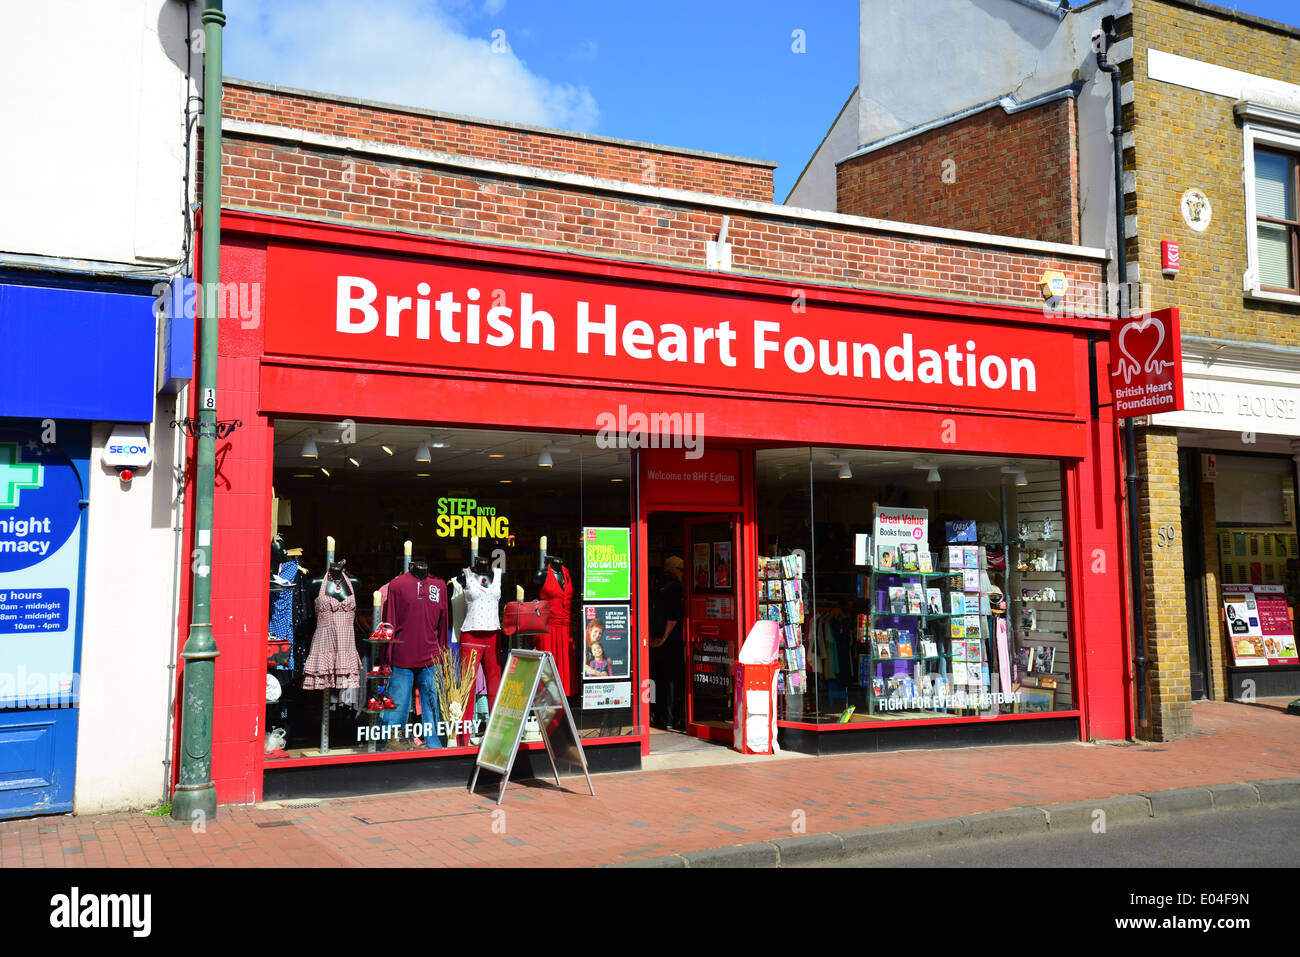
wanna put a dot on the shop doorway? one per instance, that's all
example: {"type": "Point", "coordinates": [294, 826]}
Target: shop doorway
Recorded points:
{"type": "Point", "coordinates": [694, 671]}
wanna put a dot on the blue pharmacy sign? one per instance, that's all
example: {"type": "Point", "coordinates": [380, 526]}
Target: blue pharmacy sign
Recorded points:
{"type": "Point", "coordinates": [42, 546]}
{"type": "Point", "coordinates": [40, 571]}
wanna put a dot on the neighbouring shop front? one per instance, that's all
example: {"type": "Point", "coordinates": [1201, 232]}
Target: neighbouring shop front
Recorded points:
{"type": "Point", "coordinates": [75, 354]}
{"type": "Point", "coordinates": [920, 492]}
{"type": "Point", "coordinates": [1238, 442]}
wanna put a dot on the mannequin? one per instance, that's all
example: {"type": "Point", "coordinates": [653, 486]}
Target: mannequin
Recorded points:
{"type": "Point", "coordinates": [418, 608]}
{"type": "Point", "coordinates": [333, 661]}
{"type": "Point", "coordinates": [557, 588]}
{"type": "Point", "coordinates": [481, 629]}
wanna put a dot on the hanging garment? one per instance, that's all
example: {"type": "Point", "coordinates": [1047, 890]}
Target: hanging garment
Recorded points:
{"type": "Point", "coordinates": [281, 626]}
{"type": "Point", "coordinates": [458, 604]}
{"type": "Point", "coordinates": [333, 662]}
{"type": "Point", "coordinates": [482, 602]}
{"type": "Point", "coordinates": [558, 640]}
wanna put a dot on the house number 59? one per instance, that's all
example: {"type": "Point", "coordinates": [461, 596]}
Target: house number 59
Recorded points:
{"type": "Point", "coordinates": [1166, 535]}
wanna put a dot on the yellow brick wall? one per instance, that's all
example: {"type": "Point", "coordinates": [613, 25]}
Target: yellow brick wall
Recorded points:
{"type": "Point", "coordinates": [1164, 603]}
{"type": "Point", "coordinates": [1184, 138]}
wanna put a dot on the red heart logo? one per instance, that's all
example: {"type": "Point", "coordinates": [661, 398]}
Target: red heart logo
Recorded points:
{"type": "Point", "coordinates": [1139, 342]}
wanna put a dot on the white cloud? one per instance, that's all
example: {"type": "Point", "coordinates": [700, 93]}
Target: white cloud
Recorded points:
{"type": "Point", "coordinates": [398, 51]}
{"type": "Point", "coordinates": [493, 7]}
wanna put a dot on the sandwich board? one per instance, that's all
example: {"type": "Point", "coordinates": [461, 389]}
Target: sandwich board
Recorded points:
{"type": "Point", "coordinates": [529, 685]}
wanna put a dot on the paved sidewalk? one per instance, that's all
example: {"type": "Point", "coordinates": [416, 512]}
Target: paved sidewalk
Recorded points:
{"type": "Point", "coordinates": [652, 814]}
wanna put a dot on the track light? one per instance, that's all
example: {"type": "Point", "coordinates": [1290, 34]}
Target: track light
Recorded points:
{"type": "Point", "coordinates": [1018, 472]}
{"type": "Point", "coordinates": [422, 453]}
{"type": "Point", "coordinates": [932, 475]}
{"type": "Point", "coordinates": [326, 471]}
{"type": "Point", "coordinates": [931, 470]}
{"type": "Point", "coordinates": [544, 460]}
{"type": "Point", "coordinates": [387, 449]}
{"type": "Point", "coordinates": [354, 461]}
{"type": "Point", "coordinates": [846, 472]}
{"type": "Point", "coordinates": [309, 448]}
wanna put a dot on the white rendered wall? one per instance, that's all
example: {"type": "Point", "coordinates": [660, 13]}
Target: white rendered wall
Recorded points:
{"type": "Point", "coordinates": [93, 114]}
{"type": "Point", "coordinates": [127, 639]}
{"type": "Point", "coordinates": [817, 187]}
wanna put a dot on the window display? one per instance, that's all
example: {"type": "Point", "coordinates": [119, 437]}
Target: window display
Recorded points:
{"type": "Point", "coordinates": [399, 646]}
{"type": "Point", "coordinates": [936, 585]}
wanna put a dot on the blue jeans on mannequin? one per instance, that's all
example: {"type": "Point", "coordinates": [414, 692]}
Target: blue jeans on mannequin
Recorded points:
{"type": "Point", "coordinates": [399, 688]}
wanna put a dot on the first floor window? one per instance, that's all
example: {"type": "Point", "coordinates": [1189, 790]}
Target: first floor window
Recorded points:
{"type": "Point", "coordinates": [1277, 225]}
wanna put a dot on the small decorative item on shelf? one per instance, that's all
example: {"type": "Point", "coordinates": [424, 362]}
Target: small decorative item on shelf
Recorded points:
{"type": "Point", "coordinates": [383, 635]}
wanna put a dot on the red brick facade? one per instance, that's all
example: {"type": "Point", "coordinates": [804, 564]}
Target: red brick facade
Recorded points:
{"type": "Point", "coordinates": [568, 152]}
{"type": "Point", "coordinates": [1010, 174]}
{"type": "Point", "coordinates": [279, 177]}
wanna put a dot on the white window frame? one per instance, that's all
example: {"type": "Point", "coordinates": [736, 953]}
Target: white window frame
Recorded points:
{"type": "Point", "coordinates": [1283, 133]}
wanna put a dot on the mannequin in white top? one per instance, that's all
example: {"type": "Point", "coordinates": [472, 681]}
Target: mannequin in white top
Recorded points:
{"type": "Point", "coordinates": [482, 601]}
{"type": "Point", "coordinates": [481, 629]}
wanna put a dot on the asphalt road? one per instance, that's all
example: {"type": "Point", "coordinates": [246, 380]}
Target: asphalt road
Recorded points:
{"type": "Point", "coordinates": [1247, 837]}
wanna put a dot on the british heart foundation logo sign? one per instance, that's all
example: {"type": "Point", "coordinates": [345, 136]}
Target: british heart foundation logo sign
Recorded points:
{"type": "Point", "coordinates": [1146, 353]}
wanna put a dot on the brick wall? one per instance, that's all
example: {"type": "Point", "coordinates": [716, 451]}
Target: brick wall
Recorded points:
{"type": "Point", "coordinates": [556, 150]}
{"type": "Point", "coordinates": [1164, 598]}
{"type": "Point", "coordinates": [278, 177]}
{"type": "Point", "coordinates": [1010, 174]}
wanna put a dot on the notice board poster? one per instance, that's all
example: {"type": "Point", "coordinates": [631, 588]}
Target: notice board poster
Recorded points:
{"type": "Point", "coordinates": [606, 564]}
{"type": "Point", "coordinates": [514, 697]}
{"type": "Point", "coordinates": [1260, 630]}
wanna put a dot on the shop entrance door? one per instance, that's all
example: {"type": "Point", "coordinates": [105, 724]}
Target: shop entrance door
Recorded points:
{"type": "Point", "coordinates": [712, 623]}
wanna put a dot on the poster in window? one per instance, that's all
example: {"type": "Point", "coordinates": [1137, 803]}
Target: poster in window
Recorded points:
{"type": "Point", "coordinates": [700, 565]}
{"type": "Point", "coordinates": [722, 564]}
{"type": "Point", "coordinates": [606, 645]}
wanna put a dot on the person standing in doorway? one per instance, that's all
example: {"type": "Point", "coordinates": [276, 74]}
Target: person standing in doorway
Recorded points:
{"type": "Point", "coordinates": [667, 650]}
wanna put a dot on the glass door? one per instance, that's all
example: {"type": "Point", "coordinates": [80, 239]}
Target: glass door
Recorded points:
{"type": "Point", "coordinates": [712, 623]}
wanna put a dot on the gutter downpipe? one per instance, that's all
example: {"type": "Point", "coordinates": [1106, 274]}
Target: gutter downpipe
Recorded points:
{"type": "Point", "coordinates": [1130, 445]}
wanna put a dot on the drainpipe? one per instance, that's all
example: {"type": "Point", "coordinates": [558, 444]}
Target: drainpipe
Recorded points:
{"type": "Point", "coordinates": [1130, 445]}
{"type": "Point", "coordinates": [195, 797]}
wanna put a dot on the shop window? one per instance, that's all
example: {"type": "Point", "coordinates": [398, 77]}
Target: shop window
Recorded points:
{"type": "Point", "coordinates": [934, 586]}
{"type": "Point", "coordinates": [1254, 503]}
{"type": "Point", "coordinates": [521, 499]}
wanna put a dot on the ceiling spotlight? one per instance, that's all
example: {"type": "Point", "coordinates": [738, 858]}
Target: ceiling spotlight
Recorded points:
{"type": "Point", "coordinates": [309, 448]}
{"type": "Point", "coordinates": [304, 475]}
{"type": "Point", "coordinates": [387, 449]}
{"type": "Point", "coordinates": [1018, 472]}
{"type": "Point", "coordinates": [845, 471]}
{"type": "Point", "coordinates": [354, 461]}
{"type": "Point", "coordinates": [932, 475]}
{"type": "Point", "coordinates": [931, 470]}
{"type": "Point", "coordinates": [616, 480]}
{"type": "Point", "coordinates": [326, 471]}
{"type": "Point", "coordinates": [422, 453]}
{"type": "Point", "coordinates": [544, 460]}
{"type": "Point", "coordinates": [505, 481]}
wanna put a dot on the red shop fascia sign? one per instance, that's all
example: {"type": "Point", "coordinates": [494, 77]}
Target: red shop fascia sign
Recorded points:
{"type": "Point", "coordinates": [468, 316]}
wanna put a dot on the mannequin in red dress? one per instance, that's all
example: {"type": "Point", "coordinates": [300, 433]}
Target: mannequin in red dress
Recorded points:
{"type": "Point", "coordinates": [557, 588]}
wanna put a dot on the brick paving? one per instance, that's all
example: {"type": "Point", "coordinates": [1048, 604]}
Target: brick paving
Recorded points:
{"type": "Point", "coordinates": [648, 814]}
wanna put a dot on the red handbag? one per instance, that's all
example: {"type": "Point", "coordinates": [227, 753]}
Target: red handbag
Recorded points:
{"type": "Point", "coordinates": [527, 618]}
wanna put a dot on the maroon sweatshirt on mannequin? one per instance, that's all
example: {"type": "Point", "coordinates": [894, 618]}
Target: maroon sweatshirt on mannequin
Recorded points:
{"type": "Point", "coordinates": [419, 611]}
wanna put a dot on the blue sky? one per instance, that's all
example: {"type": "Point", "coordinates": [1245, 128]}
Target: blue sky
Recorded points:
{"type": "Point", "coordinates": [726, 76]}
